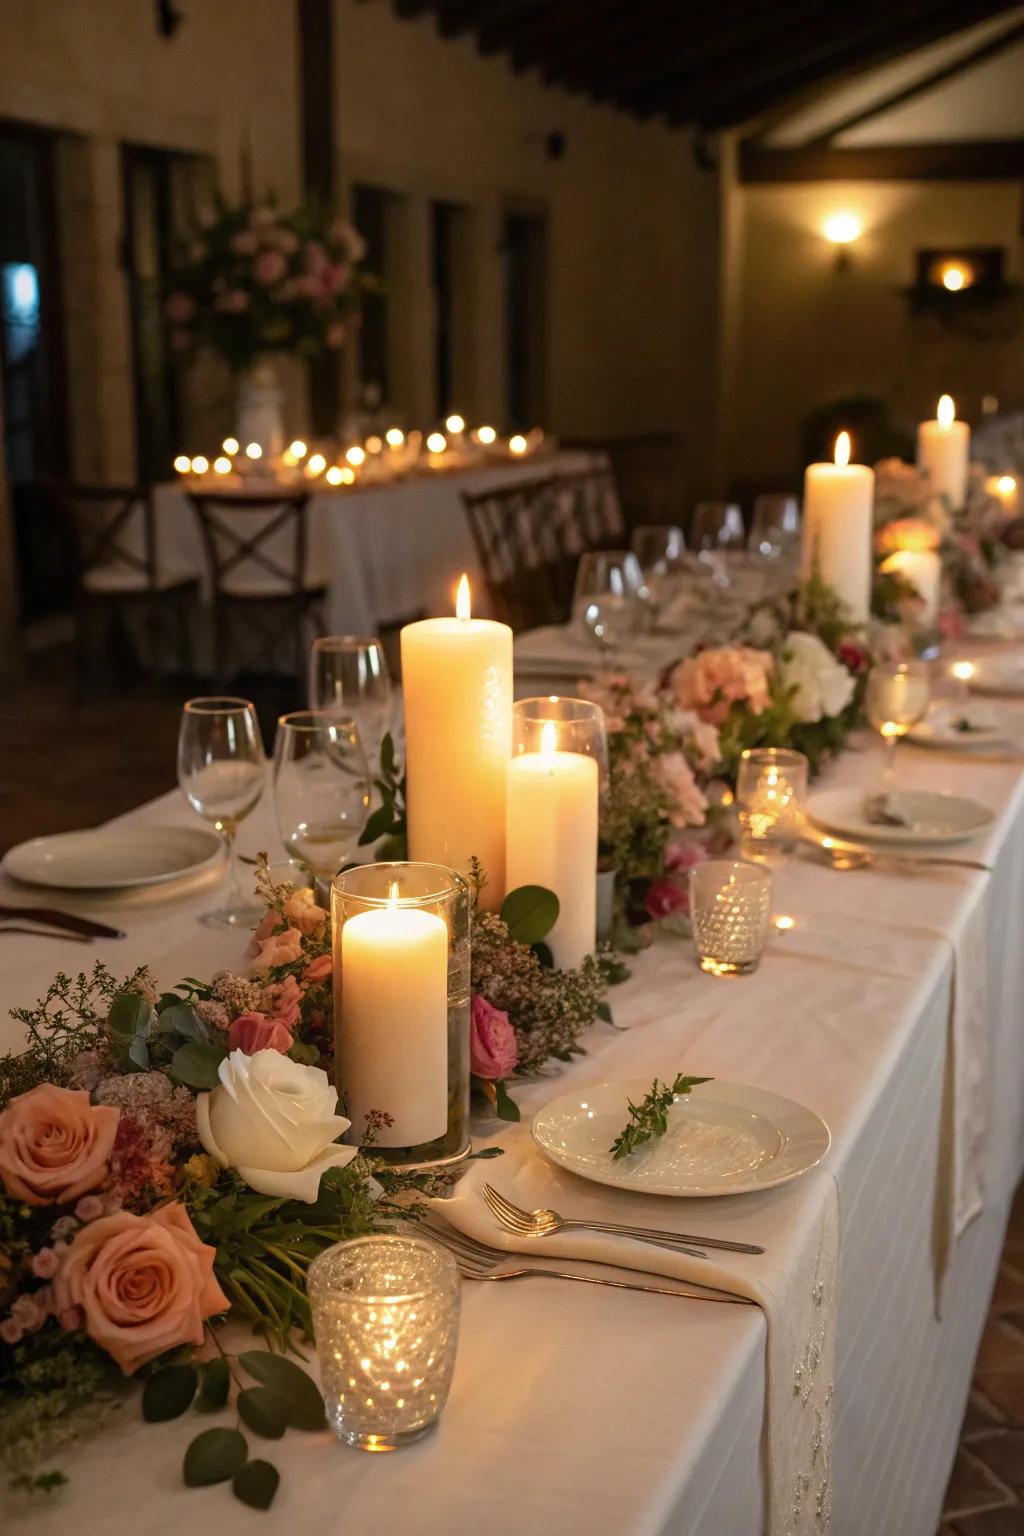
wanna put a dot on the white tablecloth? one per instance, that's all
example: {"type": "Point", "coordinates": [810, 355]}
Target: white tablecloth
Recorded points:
{"type": "Point", "coordinates": [575, 1409]}
{"type": "Point", "coordinates": [387, 552]}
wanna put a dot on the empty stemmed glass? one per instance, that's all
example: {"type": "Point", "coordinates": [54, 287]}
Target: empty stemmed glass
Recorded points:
{"type": "Point", "coordinates": [321, 789]}
{"type": "Point", "coordinates": [896, 698]}
{"type": "Point", "coordinates": [221, 771]}
{"type": "Point", "coordinates": [775, 527]}
{"type": "Point", "coordinates": [661, 551]}
{"type": "Point", "coordinates": [717, 536]}
{"type": "Point", "coordinates": [349, 679]}
{"type": "Point", "coordinates": [608, 598]}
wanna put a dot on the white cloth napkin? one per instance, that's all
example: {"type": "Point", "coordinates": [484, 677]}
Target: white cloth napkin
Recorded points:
{"type": "Point", "coordinates": [563, 650]}
{"type": "Point", "coordinates": [794, 1283]}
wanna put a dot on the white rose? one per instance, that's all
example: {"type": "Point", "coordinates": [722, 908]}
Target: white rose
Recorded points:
{"type": "Point", "coordinates": [823, 685]}
{"type": "Point", "coordinates": [273, 1121]}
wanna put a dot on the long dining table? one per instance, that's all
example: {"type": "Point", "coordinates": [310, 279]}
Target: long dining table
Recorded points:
{"type": "Point", "coordinates": [580, 1409]}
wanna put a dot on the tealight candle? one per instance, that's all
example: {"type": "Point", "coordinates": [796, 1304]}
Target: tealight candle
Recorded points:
{"type": "Point", "coordinates": [771, 786]}
{"type": "Point", "coordinates": [552, 816]}
{"type": "Point", "coordinates": [517, 444]}
{"type": "Point", "coordinates": [838, 501]}
{"type": "Point", "coordinates": [355, 455]}
{"type": "Point", "coordinates": [394, 437]}
{"type": "Point", "coordinates": [437, 442]}
{"type": "Point", "coordinates": [730, 910]}
{"type": "Point", "coordinates": [222, 465]}
{"type": "Point", "coordinates": [200, 464]}
{"type": "Point", "coordinates": [230, 446]}
{"type": "Point", "coordinates": [485, 435]}
{"type": "Point", "coordinates": [963, 672]}
{"type": "Point", "coordinates": [386, 1320]}
{"type": "Point", "coordinates": [183, 464]}
{"type": "Point", "coordinates": [943, 450]}
{"type": "Point", "coordinates": [457, 684]}
{"type": "Point", "coordinates": [297, 449]}
{"type": "Point", "coordinates": [253, 451]}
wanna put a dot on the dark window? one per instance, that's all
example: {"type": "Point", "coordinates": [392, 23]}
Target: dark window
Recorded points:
{"type": "Point", "coordinates": [444, 225]}
{"type": "Point", "coordinates": [370, 217]}
{"type": "Point", "coordinates": [524, 257]}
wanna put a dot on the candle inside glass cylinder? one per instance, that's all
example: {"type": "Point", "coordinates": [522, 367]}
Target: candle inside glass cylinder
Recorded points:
{"type": "Point", "coordinates": [730, 908]}
{"type": "Point", "coordinates": [771, 786]}
{"type": "Point", "coordinates": [837, 530]}
{"type": "Point", "coordinates": [457, 687]}
{"type": "Point", "coordinates": [393, 1034]}
{"type": "Point", "coordinates": [552, 839]}
{"type": "Point", "coordinates": [386, 1319]}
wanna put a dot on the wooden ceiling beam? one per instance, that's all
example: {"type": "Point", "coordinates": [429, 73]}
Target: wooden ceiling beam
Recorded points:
{"type": "Point", "coordinates": [540, 28]}
{"type": "Point", "coordinates": [990, 160]}
{"type": "Point", "coordinates": [476, 15]}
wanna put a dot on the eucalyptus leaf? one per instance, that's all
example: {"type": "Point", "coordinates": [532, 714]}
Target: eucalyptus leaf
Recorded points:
{"type": "Point", "coordinates": [214, 1385]}
{"type": "Point", "coordinates": [168, 1393]}
{"type": "Point", "coordinates": [530, 912]}
{"type": "Point", "coordinates": [544, 954]}
{"type": "Point", "coordinates": [387, 755]}
{"type": "Point", "coordinates": [196, 1064]}
{"type": "Point", "coordinates": [379, 821]}
{"type": "Point", "coordinates": [506, 1107]}
{"type": "Point", "coordinates": [603, 1011]}
{"type": "Point", "coordinates": [183, 1020]}
{"type": "Point", "coordinates": [263, 1411]}
{"type": "Point", "coordinates": [214, 1456]}
{"type": "Point", "coordinates": [138, 1054]}
{"type": "Point", "coordinates": [129, 1016]}
{"type": "Point", "coordinates": [485, 1154]}
{"type": "Point", "coordinates": [256, 1483]}
{"type": "Point", "coordinates": [301, 1395]}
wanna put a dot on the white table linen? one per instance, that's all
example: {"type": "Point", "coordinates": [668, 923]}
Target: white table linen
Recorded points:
{"type": "Point", "coordinates": [580, 1409]}
{"type": "Point", "coordinates": [386, 552]}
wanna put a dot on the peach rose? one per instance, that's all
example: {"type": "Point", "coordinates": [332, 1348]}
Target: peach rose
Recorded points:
{"type": "Point", "coordinates": [55, 1145]}
{"type": "Point", "coordinates": [318, 969]}
{"type": "Point", "coordinates": [302, 911]}
{"type": "Point", "coordinates": [144, 1284]}
{"type": "Point", "coordinates": [280, 949]}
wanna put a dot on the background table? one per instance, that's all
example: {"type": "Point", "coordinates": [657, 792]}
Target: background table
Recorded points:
{"type": "Point", "coordinates": [387, 552]}
{"type": "Point", "coordinates": [580, 1410]}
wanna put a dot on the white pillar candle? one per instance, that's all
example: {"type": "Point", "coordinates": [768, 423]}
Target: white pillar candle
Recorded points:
{"type": "Point", "coordinates": [943, 451]}
{"type": "Point", "coordinates": [552, 840]}
{"type": "Point", "coordinates": [457, 686]}
{"type": "Point", "coordinates": [922, 568]}
{"type": "Point", "coordinates": [393, 1039]}
{"type": "Point", "coordinates": [838, 501]}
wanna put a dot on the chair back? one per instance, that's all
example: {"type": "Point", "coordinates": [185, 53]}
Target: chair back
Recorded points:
{"type": "Point", "coordinates": [256, 543]}
{"type": "Point", "coordinates": [650, 476]}
{"type": "Point", "coordinates": [527, 541]}
{"type": "Point", "coordinates": [592, 502]}
{"type": "Point", "coordinates": [113, 527]}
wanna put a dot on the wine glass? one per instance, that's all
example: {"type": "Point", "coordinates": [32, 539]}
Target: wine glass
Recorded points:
{"type": "Point", "coordinates": [349, 679]}
{"type": "Point", "coordinates": [774, 527]}
{"type": "Point", "coordinates": [221, 771]}
{"type": "Point", "coordinates": [717, 537]}
{"type": "Point", "coordinates": [608, 597]}
{"type": "Point", "coordinates": [661, 551]}
{"type": "Point", "coordinates": [895, 699]}
{"type": "Point", "coordinates": [321, 789]}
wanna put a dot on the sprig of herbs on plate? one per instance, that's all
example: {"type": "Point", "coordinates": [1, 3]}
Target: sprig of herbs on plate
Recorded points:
{"type": "Point", "coordinates": [649, 1118]}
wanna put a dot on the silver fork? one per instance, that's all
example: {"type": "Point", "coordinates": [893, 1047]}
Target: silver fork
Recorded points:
{"type": "Point", "coordinates": [544, 1222]}
{"type": "Point", "coordinates": [475, 1261]}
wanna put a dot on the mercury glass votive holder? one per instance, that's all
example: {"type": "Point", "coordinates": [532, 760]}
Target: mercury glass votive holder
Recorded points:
{"type": "Point", "coordinates": [386, 1319]}
{"type": "Point", "coordinates": [401, 1009]}
{"type": "Point", "coordinates": [771, 788]}
{"type": "Point", "coordinates": [730, 912]}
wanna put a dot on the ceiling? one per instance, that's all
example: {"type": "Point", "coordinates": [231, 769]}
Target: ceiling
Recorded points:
{"type": "Point", "coordinates": [711, 66]}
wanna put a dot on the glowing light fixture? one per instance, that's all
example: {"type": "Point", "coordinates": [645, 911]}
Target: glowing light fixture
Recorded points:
{"type": "Point", "coordinates": [842, 228]}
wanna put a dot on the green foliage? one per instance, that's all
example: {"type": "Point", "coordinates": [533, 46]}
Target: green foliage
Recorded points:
{"type": "Point", "coordinates": [649, 1118]}
{"type": "Point", "coordinates": [54, 1387]}
{"type": "Point", "coordinates": [505, 1106]}
{"type": "Point", "coordinates": [168, 1393]}
{"type": "Point", "coordinates": [68, 1020]}
{"type": "Point", "coordinates": [529, 913]}
{"type": "Point", "coordinates": [256, 1483]}
{"type": "Point", "coordinates": [295, 1393]}
{"type": "Point", "coordinates": [263, 1412]}
{"type": "Point", "coordinates": [214, 1456]}
{"type": "Point", "coordinates": [388, 821]}
{"type": "Point", "coordinates": [214, 1385]}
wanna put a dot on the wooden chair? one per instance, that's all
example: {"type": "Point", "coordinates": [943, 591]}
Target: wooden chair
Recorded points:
{"type": "Point", "coordinates": [119, 576]}
{"type": "Point", "coordinates": [265, 595]}
{"type": "Point", "coordinates": [650, 475]}
{"type": "Point", "coordinates": [529, 537]}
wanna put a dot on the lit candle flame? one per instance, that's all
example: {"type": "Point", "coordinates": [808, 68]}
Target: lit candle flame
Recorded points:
{"type": "Point", "coordinates": [842, 450]}
{"type": "Point", "coordinates": [455, 423]}
{"type": "Point", "coordinates": [393, 896]}
{"type": "Point", "coordinates": [486, 435]}
{"type": "Point", "coordinates": [298, 448]}
{"type": "Point", "coordinates": [549, 738]}
{"type": "Point", "coordinates": [963, 671]}
{"type": "Point", "coordinates": [946, 412]}
{"type": "Point", "coordinates": [394, 437]}
{"type": "Point", "coordinates": [1006, 485]}
{"type": "Point", "coordinates": [230, 445]}
{"type": "Point", "coordinates": [463, 605]}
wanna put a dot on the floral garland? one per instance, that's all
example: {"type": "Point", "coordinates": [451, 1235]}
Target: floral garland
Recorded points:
{"type": "Point", "coordinates": [252, 280]}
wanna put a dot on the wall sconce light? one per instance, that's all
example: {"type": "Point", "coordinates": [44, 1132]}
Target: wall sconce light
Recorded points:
{"type": "Point", "coordinates": [841, 230]}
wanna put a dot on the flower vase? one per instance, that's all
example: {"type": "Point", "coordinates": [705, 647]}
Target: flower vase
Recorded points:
{"type": "Point", "coordinates": [260, 411]}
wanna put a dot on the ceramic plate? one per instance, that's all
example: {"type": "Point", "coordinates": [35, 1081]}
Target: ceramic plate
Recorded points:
{"type": "Point", "coordinates": [722, 1139]}
{"type": "Point", "coordinates": [999, 674]}
{"type": "Point", "coordinates": [989, 728]}
{"type": "Point", "coordinates": [934, 818]}
{"type": "Point", "coordinates": [111, 858]}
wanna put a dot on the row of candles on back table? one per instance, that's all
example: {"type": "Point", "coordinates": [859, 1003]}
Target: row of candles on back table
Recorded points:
{"type": "Point", "coordinates": [839, 520]}
{"type": "Point", "coordinates": [441, 448]}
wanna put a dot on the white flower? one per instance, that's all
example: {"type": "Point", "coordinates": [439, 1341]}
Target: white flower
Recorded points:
{"type": "Point", "coordinates": [273, 1121]}
{"type": "Point", "coordinates": [823, 685]}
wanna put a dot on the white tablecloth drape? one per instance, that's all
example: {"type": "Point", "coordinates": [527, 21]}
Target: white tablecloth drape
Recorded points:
{"type": "Point", "coordinates": [387, 552]}
{"type": "Point", "coordinates": [579, 1409]}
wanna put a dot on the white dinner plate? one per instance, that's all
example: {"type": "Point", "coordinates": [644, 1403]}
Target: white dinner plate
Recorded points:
{"type": "Point", "coordinates": [109, 858]}
{"type": "Point", "coordinates": [723, 1139]}
{"type": "Point", "coordinates": [989, 728]}
{"type": "Point", "coordinates": [999, 674]}
{"type": "Point", "coordinates": [935, 818]}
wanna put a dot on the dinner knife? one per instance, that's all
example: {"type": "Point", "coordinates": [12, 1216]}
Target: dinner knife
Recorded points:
{"type": "Point", "coordinates": [86, 926]}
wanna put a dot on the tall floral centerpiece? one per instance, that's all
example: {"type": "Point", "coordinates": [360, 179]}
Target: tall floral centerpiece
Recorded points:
{"type": "Point", "coordinates": [252, 283]}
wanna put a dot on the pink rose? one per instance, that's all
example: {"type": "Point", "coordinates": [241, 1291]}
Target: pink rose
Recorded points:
{"type": "Point", "coordinates": [180, 308]}
{"type": "Point", "coordinates": [269, 267]}
{"type": "Point", "coordinates": [55, 1145]}
{"type": "Point", "coordinates": [665, 896]}
{"type": "Point", "coordinates": [252, 1032]}
{"type": "Point", "coordinates": [10, 1332]}
{"type": "Point", "coordinates": [493, 1048]}
{"type": "Point", "coordinates": [280, 949]}
{"type": "Point", "coordinates": [287, 1002]}
{"type": "Point", "coordinates": [145, 1284]}
{"type": "Point", "coordinates": [303, 913]}
{"type": "Point", "coordinates": [680, 858]}
{"type": "Point", "coordinates": [318, 969]}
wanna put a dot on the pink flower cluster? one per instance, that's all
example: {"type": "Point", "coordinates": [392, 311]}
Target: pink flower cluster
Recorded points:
{"type": "Point", "coordinates": [714, 680]}
{"type": "Point", "coordinates": [493, 1048]}
{"type": "Point", "coordinates": [278, 941]}
{"type": "Point", "coordinates": [670, 892]}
